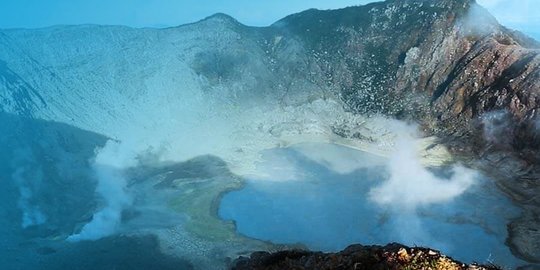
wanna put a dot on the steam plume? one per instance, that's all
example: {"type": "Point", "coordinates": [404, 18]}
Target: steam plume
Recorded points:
{"type": "Point", "coordinates": [109, 165]}
{"type": "Point", "coordinates": [411, 185]}
{"type": "Point", "coordinates": [28, 176]}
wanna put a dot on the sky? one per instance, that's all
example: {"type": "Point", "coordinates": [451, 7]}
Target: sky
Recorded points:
{"type": "Point", "coordinates": [517, 14]}
{"type": "Point", "coordinates": [523, 15]}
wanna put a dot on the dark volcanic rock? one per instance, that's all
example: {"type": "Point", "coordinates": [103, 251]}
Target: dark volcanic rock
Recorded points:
{"type": "Point", "coordinates": [393, 256]}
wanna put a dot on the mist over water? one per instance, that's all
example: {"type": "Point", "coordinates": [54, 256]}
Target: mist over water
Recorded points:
{"type": "Point", "coordinates": [411, 184]}
{"type": "Point", "coordinates": [376, 204]}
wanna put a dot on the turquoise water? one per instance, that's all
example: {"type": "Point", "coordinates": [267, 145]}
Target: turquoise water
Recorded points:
{"type": "Point", "coordinates": [328, 211]}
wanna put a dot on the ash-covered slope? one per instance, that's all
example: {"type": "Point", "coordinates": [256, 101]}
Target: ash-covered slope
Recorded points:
{"type": "Point", "coordinates": [212, 87]}
{"type": "Point", "coordinates": [225, 87]}
{"type": "Point", "coordinates": [92, 75]}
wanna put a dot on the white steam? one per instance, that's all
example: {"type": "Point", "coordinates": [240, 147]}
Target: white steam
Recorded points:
{"type": "Point", "coordinates": [338, 158]}
{"type": "Point", "coordinates": [411, 186]}
{"type": "Point", "coordinates": [28, 176]}
{"type": "Point", "coordinates": [496, 126]}
{"type": "Point", "coordinates": [109, 166]}
{"type": "Point", "coordinates": [478, 21]}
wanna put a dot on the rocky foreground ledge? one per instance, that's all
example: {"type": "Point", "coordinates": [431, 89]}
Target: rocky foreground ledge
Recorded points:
{"type": "Point", "coordinates": [357, 257]}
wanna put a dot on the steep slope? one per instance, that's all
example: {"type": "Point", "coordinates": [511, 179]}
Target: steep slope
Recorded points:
{"type": "Point", "coordinates": [18, 96]}
{"type": "Point", "coordinates": [221, 87]}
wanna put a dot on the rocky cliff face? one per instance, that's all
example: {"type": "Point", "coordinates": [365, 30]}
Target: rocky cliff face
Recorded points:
{"type": "Point", "coordinates": [450, 65]}
{"type": "Point", "coordinates": [447, 64]}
